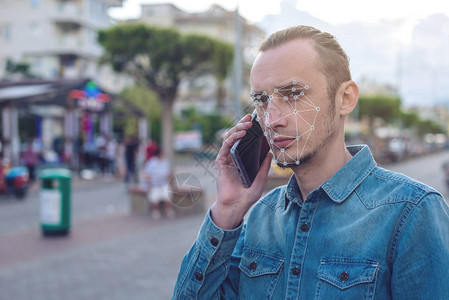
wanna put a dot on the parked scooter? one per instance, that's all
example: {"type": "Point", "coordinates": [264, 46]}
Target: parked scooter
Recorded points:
{"type": "Point", "coordinates": [14, 181]}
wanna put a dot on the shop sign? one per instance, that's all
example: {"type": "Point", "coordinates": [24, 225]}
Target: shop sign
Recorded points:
{"type": "Point", "coordinates": [90, 98]}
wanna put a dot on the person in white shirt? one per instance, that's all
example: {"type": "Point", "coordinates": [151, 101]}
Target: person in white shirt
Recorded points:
{"type": "Point", "coordinates": [157, 176]}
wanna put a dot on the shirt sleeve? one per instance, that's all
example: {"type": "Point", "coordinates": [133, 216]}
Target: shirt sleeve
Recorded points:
{"type": "Point", "coordinates": [205, 270]}
{"type": "Point", "coordinates": [420, 267]}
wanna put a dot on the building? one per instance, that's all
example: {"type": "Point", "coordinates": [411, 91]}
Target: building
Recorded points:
{"type": "Point", "coordinates": [56, 38]}
{"type": "Point", "coordinates": [216, 22]}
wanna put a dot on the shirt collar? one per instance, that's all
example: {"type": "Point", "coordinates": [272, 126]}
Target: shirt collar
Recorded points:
{"type": "Point", "coordinates": [292, 192]}
{"type": "Point", "coordinates": [348, 178]}
{"type": "Point", "coordinates": [344, 182]}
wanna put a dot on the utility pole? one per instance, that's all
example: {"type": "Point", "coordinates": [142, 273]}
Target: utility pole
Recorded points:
{"type": "Point", "coordinates": [237, 74]}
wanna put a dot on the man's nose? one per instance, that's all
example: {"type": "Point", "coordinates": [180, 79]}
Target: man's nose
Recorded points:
{"type": "Point", "coordinates": [275, 115]}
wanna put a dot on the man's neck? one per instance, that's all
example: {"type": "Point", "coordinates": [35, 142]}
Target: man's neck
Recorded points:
{"type": "Point", "coordinates": [320, 168]}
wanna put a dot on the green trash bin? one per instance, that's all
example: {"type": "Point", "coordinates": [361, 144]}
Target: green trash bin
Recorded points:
{"type": "Point", "coordinates": [55, 201]}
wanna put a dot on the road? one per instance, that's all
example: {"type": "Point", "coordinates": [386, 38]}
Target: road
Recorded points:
{"type": "Point", "coordinates": [111, 253]}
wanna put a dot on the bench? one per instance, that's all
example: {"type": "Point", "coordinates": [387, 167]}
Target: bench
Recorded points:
{"type": "Point", "coordinates": [185, 201]}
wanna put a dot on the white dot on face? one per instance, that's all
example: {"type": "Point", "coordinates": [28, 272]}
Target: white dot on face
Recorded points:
{"type": "Point", "coordinates": [282, 150]}
{"type": "Point", "coordinates": [285, 98]}
{"type": "Point", "coordinates": [302, 93]}
{"type": "Point", "coordinates": [297, 162]}
{"type": "Point", "coordinates": [293, 89]}
{"type": "Point", "coordinates": [297, 138]}
{"type": "Point", "coordinates": [264, 93]}
{"type": "Point", "coordinates": [252, 93]}
{"type": "Point", "coordinates": [266, 114]}
{"type": "Point", "coordinates": [294, 81]}
{"type": "Point", "coordinates": [276, 134]}
{"type": "Point", "coordinates": [295, 97]}
{"type": "Point", "coordinates": [257, 119]}
{"type": "Point", "coordinates": [276, 161]}
{"type": "Point", "coordinates": [312, 127]}
{"type": "Point", "coordinates": [306, 87]}
{"type": "Point", "coordinates": [275, 90]}
{"type": "Point", "coordinates": [295, 112]}
{"type": "Point", "coordinates": [317, 109]}
{"type": "Point", "coordinates": [271, 142]}
{"type": "Point", "coordinates": [265, 133]}
{"type": "Point", "coordinates": [268, 124]}
{"type": "Point", "coordinates": [260, 103]}
{"type": "Point", "coordinates": [285, 163]}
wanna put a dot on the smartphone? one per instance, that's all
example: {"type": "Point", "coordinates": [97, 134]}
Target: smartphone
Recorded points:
{"type": "Point", "coordinates": [249, 152]}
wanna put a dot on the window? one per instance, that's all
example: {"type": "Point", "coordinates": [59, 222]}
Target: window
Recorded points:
{"type": "Point", "coordinates": [5, 32]}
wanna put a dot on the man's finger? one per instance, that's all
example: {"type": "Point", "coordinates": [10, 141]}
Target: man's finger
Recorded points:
{"type": "Point", "coordinates": [238, 126]}
{"type": "Point", "coordinates": [229, 142]}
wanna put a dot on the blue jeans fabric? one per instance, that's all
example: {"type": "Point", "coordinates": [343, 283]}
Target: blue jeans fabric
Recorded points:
{"type": "Point", "coordinates": [366, 233]}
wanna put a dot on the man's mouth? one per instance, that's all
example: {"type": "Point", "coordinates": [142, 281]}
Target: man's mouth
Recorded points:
{"type": "Point", "coordinates": [283, 142]}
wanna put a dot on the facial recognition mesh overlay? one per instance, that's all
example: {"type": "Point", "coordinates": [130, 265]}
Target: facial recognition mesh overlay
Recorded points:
{"type": "Point", "coordinates": [288, 102]}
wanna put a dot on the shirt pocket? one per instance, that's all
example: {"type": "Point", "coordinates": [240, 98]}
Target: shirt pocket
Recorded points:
{"type": "Point", "coordinates": [345, 278]}
{"type": "Point", "coordinates": [260, 273]}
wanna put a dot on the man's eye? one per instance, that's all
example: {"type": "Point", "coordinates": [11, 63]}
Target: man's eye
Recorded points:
{"type": "Point", "coordinates": [260, 98]}
{"type": "Point", "coordinates": [295, 94]}
{"type": "Point", "coordinates": [264, 98]}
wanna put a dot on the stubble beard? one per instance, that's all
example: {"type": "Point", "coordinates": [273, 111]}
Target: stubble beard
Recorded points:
{"type": "Point", "coordinates": [310, 154]}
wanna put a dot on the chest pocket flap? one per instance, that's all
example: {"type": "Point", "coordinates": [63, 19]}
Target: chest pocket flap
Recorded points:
{"type": "Point", "coordinates": [344, 273]}
{"type": "Point", "coordinates": [255, 263]}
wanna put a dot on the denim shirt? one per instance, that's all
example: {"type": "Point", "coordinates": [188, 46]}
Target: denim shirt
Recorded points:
{"type": "Point", "coordinates": [366, 233]}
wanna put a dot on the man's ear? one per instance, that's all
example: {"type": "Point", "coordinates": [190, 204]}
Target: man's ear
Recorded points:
{"type": "Point", "coordinates": [349, 97]}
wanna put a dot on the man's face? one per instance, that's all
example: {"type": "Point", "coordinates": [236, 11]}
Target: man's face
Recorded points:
{"type": "Point", "coordinates": [290, 95]}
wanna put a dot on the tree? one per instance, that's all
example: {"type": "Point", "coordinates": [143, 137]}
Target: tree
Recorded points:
{"type": "Point", "coordinates": [388, 108]}
{"type": "Point", "coordinates": [148, 103]}
{"type": "Point", "coordinates": [21, 68]}
{"type": "Point", "coordinates": [222, 58]}
{"type": "Point", "coordinates": [428, 126]}
{"type": "Point", "coordinates": [158, 58]}
{"type": "Point", "coordinates": [409, 119]}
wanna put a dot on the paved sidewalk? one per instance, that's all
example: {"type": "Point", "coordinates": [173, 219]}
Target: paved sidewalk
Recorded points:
{"type": "Point", "coordinates": [122, 256]}
{"type": "Point", "coordinates": [110, 252]}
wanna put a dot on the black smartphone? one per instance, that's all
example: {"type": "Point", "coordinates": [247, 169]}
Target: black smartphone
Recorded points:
{"type": "Point", "coordinates": [249, 152]}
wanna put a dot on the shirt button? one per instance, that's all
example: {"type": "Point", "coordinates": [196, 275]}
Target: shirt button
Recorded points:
{"type": "Point", "coordinates": [304, 227]}
{"type": "Point", "coordinates": [214, 242]}
{"type": "Point", "coordinates": [295, 271]}
{"type": "Point", "coordinates": [344, 276]}
{"type": "Point", "coordinates": [253, 265]}
{"type": "Point", "coordinates": [199, 276]}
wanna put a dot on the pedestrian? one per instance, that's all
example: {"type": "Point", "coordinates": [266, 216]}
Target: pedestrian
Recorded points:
{"type": "Point", "coordinates": [131, 148]}
{"type": "Point", "coordinates": [101, 151]}
{"type": "Point", "coordinates": [30, 159]}
{"type": "Point", "coordinates": [150, 148]}
{"type": "Point", "coordinates": [157, 176]}
{"type": "Point", "coordinates": [342, 228]}
{"type": "Point", "coordinates": [111, 153]}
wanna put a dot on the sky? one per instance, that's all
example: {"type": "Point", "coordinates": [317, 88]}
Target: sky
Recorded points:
{"type": "Point", "coordinates": [331, 11]}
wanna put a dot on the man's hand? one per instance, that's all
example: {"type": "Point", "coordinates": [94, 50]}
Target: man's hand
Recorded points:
{"type": "Point", "coordinates": [233, 198]}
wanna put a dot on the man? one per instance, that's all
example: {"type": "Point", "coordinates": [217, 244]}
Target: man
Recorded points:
{"type": "Point", "coordinates": [342, 228]}
{"type": "Point", "coordinates": [131, 149]}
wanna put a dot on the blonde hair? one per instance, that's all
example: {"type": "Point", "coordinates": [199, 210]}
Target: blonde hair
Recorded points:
{"type": "Point", "coordinates": [332, 59]}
